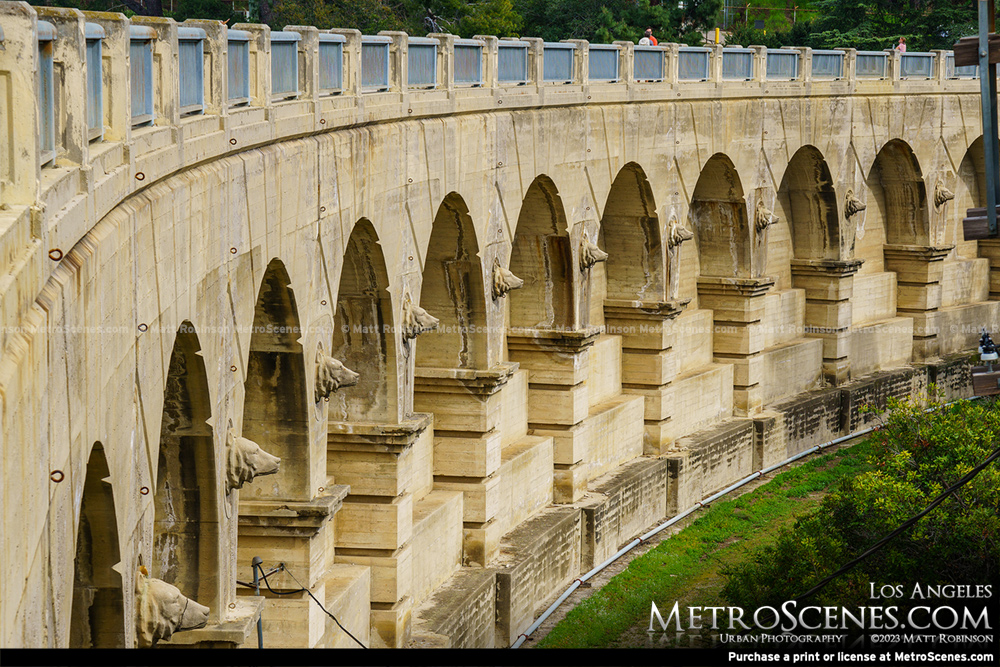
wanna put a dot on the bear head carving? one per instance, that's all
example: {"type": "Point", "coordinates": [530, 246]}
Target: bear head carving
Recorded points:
{"type": "Point", "coordinates": [246, 460]}
{"type": "Point", "coordinates": [331, 375]}
{"type": "Point", "coordinates": [590, 254]}
{"type": "Point", "coordinates": [416, 320]}
{"type": "Point", "coordinates": [503, 280]}
{"type": "Point", "coordinates": [161, 610]}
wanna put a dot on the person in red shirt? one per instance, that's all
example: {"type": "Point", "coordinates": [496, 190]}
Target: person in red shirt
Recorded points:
{"type": "Point", "coordinates": [649, 36]}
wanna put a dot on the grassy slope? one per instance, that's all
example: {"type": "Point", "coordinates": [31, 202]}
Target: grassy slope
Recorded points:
{"type": "Point", "coordinates": [686, 567]}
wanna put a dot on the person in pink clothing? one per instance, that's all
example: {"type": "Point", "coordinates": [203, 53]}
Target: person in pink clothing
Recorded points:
{"type": "Point", "coordinates": [901, 47]}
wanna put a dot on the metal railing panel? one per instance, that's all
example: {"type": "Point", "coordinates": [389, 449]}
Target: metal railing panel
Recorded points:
{"type": "Point", "coordinates": [782, 65]}
{"type": "Point", "coordinates": [916, 65]}
{"type": "Point", "coordinates": [468, 62]}
{"type": "Point", "coordinates": [238, 62]}
{"type": "Point", "coordinates": [284, 64]}
{"type": "Point", "coordinates": [421, 63]}
{"type": "Point", "coordinates": [331, 63]}
{"type": "Point", "coordinates": [965, 72]}
{"type": "Point", "coordinates": [141, 79]}
{"type": "Point", "coordinates": [191, 69]}
{"type": "Point", "coordinates": [871, 65]}
{"type": "Point", "coordinates": [557, 62]}
{"type": "Point", "coordinates": [692, 64]}
{"type": "Point", "coordinates": [95, 85]}
{"type": "Point", "coordinates": [374, 63]}
{"type": "Point", "coordinates": [45, 80]}
{"type": "Point", "coordinates": [603, 62]}
{"type": "Point", "coordinates": [737, 64]}
{"type": "Point", "coordinates": [649, 63]}
{"type": "Point", "coordinates": [827, 64]}
{"type": "Point", "coordinates": [512, 63]}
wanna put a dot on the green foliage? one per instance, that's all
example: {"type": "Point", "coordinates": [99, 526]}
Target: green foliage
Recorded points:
{"type": "Point", "coordinates": [206, 9]}
{"type": "Point", "coordinates": [604, 21]}
{"type": "Point", "coordinates": [686, 566]}
{"type": "Point", "coordinates": [915, 456]}
{"type": "Point", "coordinates": [800, 34]}
{"type": "Point", "coordinates": [878, 24]}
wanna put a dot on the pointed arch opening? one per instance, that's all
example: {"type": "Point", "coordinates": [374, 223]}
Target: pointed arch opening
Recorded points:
{"type": "Point", "coordinates": [186, 524]}
{"type": "Point", "coordinates": [543, 258]}
{"type": "Point", "coordinates": [98, 613]}
{"type": "Point", "coordinates": [719, 220]}
{"type": "Point", "coordinates": [452, 290]}
{"type": "Point", "coordinates": [810, 202]}
{"type": "Point", "coordinates": [362, 332]}
{"type": "Point", "coordinates": [630, 234]}
{"type": "Point", "coordinates": [897, 186]}
{"type": "Point", "coordinates": [276, 412]}
{"type": "Point", "coordinates": [970, 192]}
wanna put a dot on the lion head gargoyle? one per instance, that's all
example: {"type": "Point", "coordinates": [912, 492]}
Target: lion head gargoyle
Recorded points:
{"type": "Point", "coordinates": [331, 375]}
{"type": "Point", "coordinates": [763, 218]}
{"type": "Point", "coordinates": [590, 254]}
{"type": "Point", "coordinates": [416, 320]}
{"type": "Point", "coordinates": [503, 280]}
{"type": "Point", "coordinates": [677, 233]}
{"type": "Point", "coordinates": [852, 204]}
{"type": "Point", "coordinates": [942, 194]}
{"type": "Point", "coordinates": [161, 610]}
{"type": "Point", "coordinates": [246, 460]}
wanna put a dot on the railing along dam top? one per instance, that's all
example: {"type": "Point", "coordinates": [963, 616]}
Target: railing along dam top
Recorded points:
{"type": "Point", "coordinates": [218, 90]}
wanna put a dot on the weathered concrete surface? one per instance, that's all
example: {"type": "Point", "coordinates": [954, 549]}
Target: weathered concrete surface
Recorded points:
{"type": "Point", "coordinates": [253, 241]}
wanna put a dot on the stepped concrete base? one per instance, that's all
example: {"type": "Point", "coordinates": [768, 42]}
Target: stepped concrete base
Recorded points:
{"type": "Point", "coordinates": [809, 420]}
{"type": "Point", "coordinates": [522, 485]}
{"type": "Point", "coordinates": [536, 560]}
{"type": "Point", "coordinates": [610, 435]}
{"type": "Point", "coordinates": [700, 398]}
{"type": "Point", "coordinates": [393, 623]}
{"type": "Point", "coordinates": [874, 392]}
{"type": "Point", "coordinates": [790, 369]}
{"type": "Point", "coordinates": [882, 345]}
{"type": "Point", "coordinates": [460, 614]}
{"type": "Point", "coordinates": [437, 541]}
{"type": "Point", "coordinates": [621, 504]}
{"type": "Point", "coordinates": [959, 327]}
{"type": "Point", "coordinates": [391, 571]}
{"type": "Point", "coordinates": [347, 590]}
{"type": "Point", "coordinates": [709, 461]}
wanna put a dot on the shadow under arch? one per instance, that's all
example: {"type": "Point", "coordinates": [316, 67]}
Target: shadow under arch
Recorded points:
{"type": "Point", "coordinates": [543, 257]}
{"type": "Point", "coordinates": [719, 220]}
{"type": "Point", "coordinates": [452, 290]}
{"type": "Point", "coordinates": [630, 234]}
{"type": "Point", "coordinates": [276, 412]}
{"type": "Point", "coordinates": [363, 336]}
{"type": "Point", "coordinates": [186, 525]}
{"type": "Point", "coordinates": [808, 196]}
{"type": "Point", "coordinates": [900, 195]}
{"type": "Point", "coordinates": [970, 192]}
{"type": "Point", "coordinates": [98, 612]}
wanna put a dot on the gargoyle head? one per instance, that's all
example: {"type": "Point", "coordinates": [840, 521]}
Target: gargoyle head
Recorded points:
{"type": "Point", "coordinates": [503, 280]}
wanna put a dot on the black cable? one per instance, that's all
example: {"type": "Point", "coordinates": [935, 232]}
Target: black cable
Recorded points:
{"type": "Point", "coordinates": [268, 584]}
{"type": "Point", "coordinates": [320, 605]}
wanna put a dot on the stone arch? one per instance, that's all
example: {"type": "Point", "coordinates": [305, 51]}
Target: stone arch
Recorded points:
{"type": "Point", "coordinates": [630, 234]}
{"type": "Point", "coordinates": [275, 407]}
{"type": "Point", "coordinates": [809, 199]}
{"type": "Point", "coordinates": [900, 195]}
{"type": "Point", "coordinates": [363, 332]}
{"type": "Point", "coordinates": [452, 290]}
{"type": "Point", "coordinates": [970, 192]}
{"type": "Point", "coordinates": [719, 220]}
{"type": "Point", "coordinates": [542, 255]}
{"type": "Point", "coordinates": [98, 613]}
{"type": "Point", "coordinates": [186, 525]}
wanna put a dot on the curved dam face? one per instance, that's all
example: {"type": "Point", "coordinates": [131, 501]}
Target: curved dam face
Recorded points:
{"type": "Point", "coordinates": [437, 348]}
